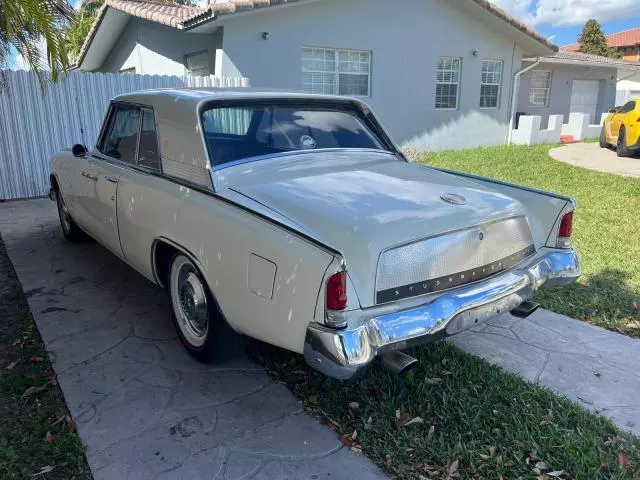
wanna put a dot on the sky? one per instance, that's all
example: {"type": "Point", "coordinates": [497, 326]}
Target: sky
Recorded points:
{"type": "Point", "coordinates": [559, 20]}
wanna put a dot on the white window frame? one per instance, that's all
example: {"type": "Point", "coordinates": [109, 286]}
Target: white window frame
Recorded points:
{"type": "Point", "coordinates": [193, 54]}
{"type": "Point", "coordinates": [336, 72]}
{"type": "Point", "coordinates": [458, 83]}
{"type": "Point", "coordinates": [492, 84]}
{"type": "Point", "coordinates": [547, 89]}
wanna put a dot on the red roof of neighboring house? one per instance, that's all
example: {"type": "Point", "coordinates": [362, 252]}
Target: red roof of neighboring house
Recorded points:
{"type": "Point", "coordinates": [628, 38]}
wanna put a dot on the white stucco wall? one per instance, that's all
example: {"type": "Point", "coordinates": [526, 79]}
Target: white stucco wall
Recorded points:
{"type": "Point", "coordinates": [562, 77]}
{"type": "Point", "coordinates": [405, 40]}
{"type": "Point", "coordinates": [155, 49]}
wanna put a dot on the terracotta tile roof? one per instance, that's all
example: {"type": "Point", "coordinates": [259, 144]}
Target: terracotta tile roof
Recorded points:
{"type": "Point", "coordinates": [182, 17]}
{"type": "Point", "coordinates": [628, 38]}
{"type": "Point", "coordinates": [588, 57]}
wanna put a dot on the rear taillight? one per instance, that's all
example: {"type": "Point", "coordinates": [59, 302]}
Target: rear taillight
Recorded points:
{"type": "Point", "coordinates": [565, 231]}
{"type": "Point", "coordinates": [337, 291]}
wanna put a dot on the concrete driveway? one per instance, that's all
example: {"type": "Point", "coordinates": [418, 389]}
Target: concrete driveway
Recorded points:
{"type": "Point", "coordinates": [590, 155]}
{"type": "Point", "coordinates": [143, 407]}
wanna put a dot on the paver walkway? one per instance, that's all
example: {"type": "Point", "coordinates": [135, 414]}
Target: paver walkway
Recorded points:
{"type": "Point", "coordinates": [143, 407]}
{"type": "Point", "coordinates": [595, 367]}
{"type": "Point", "coordinates": [591, 156]}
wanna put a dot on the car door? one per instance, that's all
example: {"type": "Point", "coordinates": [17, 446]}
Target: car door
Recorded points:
{"type": "Point", "coordinates": [618, 120]}
{"type": "Point", "coordinates": [116, 151]}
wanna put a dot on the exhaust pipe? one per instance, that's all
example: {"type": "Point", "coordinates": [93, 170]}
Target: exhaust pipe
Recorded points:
{"type": "Point", "coordinates": [526, 309]}
{"type": "Point", "coordinates": [397, 362]}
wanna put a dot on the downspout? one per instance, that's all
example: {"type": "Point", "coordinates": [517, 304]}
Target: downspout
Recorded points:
{"type": "Point", "coordinates": [514, 97]}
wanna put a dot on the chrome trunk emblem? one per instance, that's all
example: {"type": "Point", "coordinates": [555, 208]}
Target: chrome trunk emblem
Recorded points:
{"type": "Point", "coordinates": [453, 199]}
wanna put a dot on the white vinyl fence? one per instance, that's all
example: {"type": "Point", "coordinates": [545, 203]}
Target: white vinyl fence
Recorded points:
{"type": "Point", "coordinates": [33, 125]}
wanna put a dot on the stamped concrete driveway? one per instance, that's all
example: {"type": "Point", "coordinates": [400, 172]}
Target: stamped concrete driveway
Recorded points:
{"type": "Point", "coordinates": [143, 407]}
{"type": "Point", "coordinates": [590, 155]}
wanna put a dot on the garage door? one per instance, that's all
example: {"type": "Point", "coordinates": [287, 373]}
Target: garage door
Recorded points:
{"type": "Point", "coordinates": [584, 97]}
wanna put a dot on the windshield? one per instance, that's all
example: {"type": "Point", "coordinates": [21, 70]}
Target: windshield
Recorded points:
{"type": "Point", "coordinates": [239, 132]}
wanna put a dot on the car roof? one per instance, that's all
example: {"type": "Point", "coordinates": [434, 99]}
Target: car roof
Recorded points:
{"type": "Point", "coordinates": [197, 96]}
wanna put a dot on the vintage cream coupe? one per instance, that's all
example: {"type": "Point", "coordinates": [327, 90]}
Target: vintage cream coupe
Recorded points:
{"type": "Point", "coordinates": [294, 219]}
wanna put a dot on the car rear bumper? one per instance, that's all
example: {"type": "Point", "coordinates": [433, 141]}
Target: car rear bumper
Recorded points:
{"type": "Point", "coordinates": [342, 353]}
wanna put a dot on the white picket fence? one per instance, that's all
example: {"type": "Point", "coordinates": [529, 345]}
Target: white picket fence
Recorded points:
{"type": "Point", "coordinates": [34, 125]}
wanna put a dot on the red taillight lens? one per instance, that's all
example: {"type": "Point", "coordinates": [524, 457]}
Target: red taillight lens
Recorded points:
{"type": "Point", "coordinates": [337, 291]}
{"type": "Point", "coordinates": [566, 225]}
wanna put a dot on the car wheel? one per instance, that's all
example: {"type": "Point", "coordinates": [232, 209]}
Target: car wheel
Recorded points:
{"type": "Point", "coordinates": [71, 231]}
{"type": "Point", "coordinates": [202, 329]}
{"type": "Point", "coordinates": [603, 139]}
{"type": "Point", "coordinates": [621, 148]}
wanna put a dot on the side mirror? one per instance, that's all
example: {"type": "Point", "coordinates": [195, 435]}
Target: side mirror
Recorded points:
{"type": "Point", "coordinates": [613, 110]}
{"type": "Point", "coordinates": [79, 150]}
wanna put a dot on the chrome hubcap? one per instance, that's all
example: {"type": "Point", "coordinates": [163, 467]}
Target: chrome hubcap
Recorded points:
{"type": "Point", "coordinates": [189, 302]}
{"type": "Point", "coordinates": [64, 214]}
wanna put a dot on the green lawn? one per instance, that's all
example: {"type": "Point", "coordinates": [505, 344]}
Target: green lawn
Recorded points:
{"type": "Point", "coordinates": [457, 412]}
{"type": "Point", "coordinates": [606, 229]}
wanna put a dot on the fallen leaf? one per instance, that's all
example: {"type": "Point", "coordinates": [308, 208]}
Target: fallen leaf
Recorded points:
{"type": "Point", "coordinates": [542, 477]}
{"type": "Point", "coordinates": [398, 414]}
{"type": "Point", "coordinates": [354, 406]}
{"type": "Point", "coordinates": [597, 373]}
{"type": "Point", "coordinates": [33, 390]}
{"type": "Point", "coordinates": [492, 451]}
{"type": "Point", "coordinates": [413, 421]}
{"type": "Point", "coordinates": [354, 435]}
{"type": "Point", "coordinates": [49, 438]}
{"type": "Point", "coordinates": [556, 473]}
{"type": "Point", "coordinates": [452, 468]}
{"type": "Point", "coordinates": [12, 365]}
{"type": "Point", "coordinates": [432, 430]}
{"type": "Point", "coordinates": [471, 468]}
{"type": "Point", "coordinates": [623, 460]}
{"type": "Point", "coordinates": [378, 393]}
{"type": "Point", "coordinates": [313, 399]}
{"type": "Point", "coordinates": [356, 449]}
{"type": "Point", "coordinates": [542, 465]}
{"type": "Point", "coordinates": [16, 343]}
{"type": "Point", "coordinates": [43, 470]}
{"type": "Point", "coordinates": [35, 359]}
{"type": "Point", "coordinates": [53, 380]}
{"type": "Point", "coordinates": [388, 458]}
{"type": "Point", "coordinates": [447, 372]}
{"type": "Point", "coordinates": [432, 381]}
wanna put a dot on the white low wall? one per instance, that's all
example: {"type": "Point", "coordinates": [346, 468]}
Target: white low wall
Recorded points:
{"type": "Point", "coordinates": [529, 132]}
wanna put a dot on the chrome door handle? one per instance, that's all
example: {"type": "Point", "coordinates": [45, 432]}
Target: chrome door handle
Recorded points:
{"type": "Point", "coordinates": [88, 175]}
{"type": "Point", "coordinates": [111, 179]}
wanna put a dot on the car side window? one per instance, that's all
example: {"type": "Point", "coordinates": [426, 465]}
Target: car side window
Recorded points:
{"type": "Point", "coordinates": [148, 155]}
{"type": "Point", "coordinates": [121, 142]}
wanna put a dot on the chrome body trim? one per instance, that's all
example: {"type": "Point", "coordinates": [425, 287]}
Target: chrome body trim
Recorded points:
{"type": "Point", "coordinates": [342, 353]}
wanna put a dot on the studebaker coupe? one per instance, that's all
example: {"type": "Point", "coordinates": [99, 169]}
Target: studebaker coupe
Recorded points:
{"type": "Point", "coordinates": [294, 219]}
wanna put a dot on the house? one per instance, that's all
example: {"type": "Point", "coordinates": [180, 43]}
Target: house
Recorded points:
{"type": "Point", "coordinates": [439, 74]}
{"type": "Point", "coordinates": [628, 44]}
{"type": "Point", "coordinates": [567, 82]}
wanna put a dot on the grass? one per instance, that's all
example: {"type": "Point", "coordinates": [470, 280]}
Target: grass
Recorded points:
{"type": "Point", "coordinates": [605, 229]}
{"type": "Point", "coordinates": [37, 436]}
{"type": "Point", "coordinates": [469, 418]}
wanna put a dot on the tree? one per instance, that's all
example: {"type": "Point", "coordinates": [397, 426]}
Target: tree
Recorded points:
{"type": "Point", "coordinates": [592, 40]}
{"type": "Point", "coordinates": [25, 24]}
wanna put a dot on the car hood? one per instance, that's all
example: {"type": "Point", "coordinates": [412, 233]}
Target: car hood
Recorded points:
{"type": "Point", "coordinates": [364, 202]}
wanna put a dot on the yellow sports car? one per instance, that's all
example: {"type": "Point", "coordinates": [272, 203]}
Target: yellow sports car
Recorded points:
{"type": "Point", "coordinates": [622, 129]}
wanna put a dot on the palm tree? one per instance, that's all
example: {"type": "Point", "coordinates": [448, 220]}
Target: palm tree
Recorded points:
{"type": "Point", "coordinates": [78, 30]}
{"type": "Point", "coordinates": [26, 23]}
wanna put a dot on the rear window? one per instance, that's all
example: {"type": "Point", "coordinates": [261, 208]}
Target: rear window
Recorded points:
{"type": "Point", "coordinates": [241, 132]}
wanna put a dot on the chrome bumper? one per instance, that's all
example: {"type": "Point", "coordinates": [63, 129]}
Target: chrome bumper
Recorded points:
{"type": "Point", "coordinates": [341, 353]}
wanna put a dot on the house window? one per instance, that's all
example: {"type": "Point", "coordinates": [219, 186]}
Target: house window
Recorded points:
{"type": "Point", "coordinates": [540, 86]}
{"type": "Point", "coordinates": [336, 71]}
{"type": "Point", "coordinates": [448, 83]}
{"type": "Point", "coordinates": [197, 64]}
{"type": "Point", "coordinates": [490, 83]}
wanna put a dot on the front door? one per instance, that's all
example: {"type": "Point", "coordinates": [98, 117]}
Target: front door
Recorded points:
{"type": "Point", "coordinates": [117, 150]}
{"type": "Point", "coordinates": [103, 177]}
{"type": "Point", "coordinates": [584, 98]}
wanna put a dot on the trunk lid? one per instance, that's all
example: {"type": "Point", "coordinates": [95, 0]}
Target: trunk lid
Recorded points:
{"type": "Point", "coordinates": [364, 202]}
